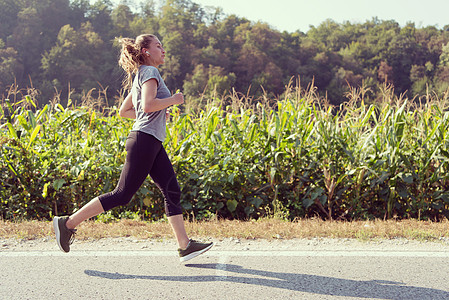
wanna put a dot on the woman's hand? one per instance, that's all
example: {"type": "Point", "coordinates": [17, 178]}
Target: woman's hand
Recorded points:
{"type": "Point", "coordinates": [127, 109]}
{"type": "Point", "coordinates": [149, 101]}
{"type": "Point", "coordinates": [179, 98]}
{"type": "Point", "coordinates": [167, 115]}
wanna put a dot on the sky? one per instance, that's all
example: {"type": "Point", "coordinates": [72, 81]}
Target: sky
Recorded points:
{"type": "Point", "coordinates": [292, 15]}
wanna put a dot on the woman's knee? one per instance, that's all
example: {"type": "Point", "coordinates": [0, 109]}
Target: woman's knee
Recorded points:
{"type": "Point", "coordinates": [114, 199]}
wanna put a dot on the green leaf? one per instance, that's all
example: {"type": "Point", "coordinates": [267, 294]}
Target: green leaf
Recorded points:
{"type": "Point", "coordinates": [307, 202]}
{"type": "Point", "coordinates": [256, 201]}
{"type": "Point", "coordinates": [232, 205]}
{"type": "Point", "coordinates": [316, 193]}
{"type": "Point", "coordinates": [407, 178]}
{"type": "Point", "coordinates": [367, 115]}
{"type": "Point", "coordinates": [42, 112]}
{"type": "Point", "coordinates": [32, 119]}
{"type": "Point", "coordinates": [231, 178]}
{"type": "Point", "coordinates": [236, 129]}
{"type": "Point", "coordinates": [58, 183]}
{"type": "Point", "coordinates": [34, 134]}
{"type": "Point", "coordinates": [186, 205]}
{"type": "Point", "coordinates": [249, 210]}
{"type": "Point", "coordinates": [402, 191]}
{"type": "Point", "coordinates": [12, 131]}
{"type": "Point", "coordinates": [252, 134]}
{"type": "Point", "coordinates": [30, 100]}
{"type": "Point", "coordinates": [23, 122]}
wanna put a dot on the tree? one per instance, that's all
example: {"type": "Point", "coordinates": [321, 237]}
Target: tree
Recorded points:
{"type": "Point", "coordinates": [195, 83]}
{"type": "Point", "coordinates": [444, 57]}
{"type": "Point", "coordinates": [9, 10]}
{"type": "Point", "coordinates": [149, 17]}
{"type": "Point", "coordinates": [258, 57]}
{"type": "Point", "coordinates": [385, 73]}
{"type": "Point", "coordinates": [9, 66]}
{"type": "Point", "coordinates": [28, 41]}
{"type": "Point", "coordinates": [75, 58]}
{"type": "Point", "coordinates": [442, 74]}
{"type": "Point", "coordinates": [420, 79]}
{"type": "Point", "coordinates": [328, 36]}
{"type": "Point", "coordinates": [208, 81]}
{"type": "Point", "coordinates": [121, 17]}
{"type": "Point", "coordinates": [38, 22]}
{"type": "Point", "coordinates": [99, 15]}
{"type": "Point", "coordinates": [178, 22]}
{"type": "Point", "coordinates": [218, 82]}
{"type": "Point", "coordinates": [403, 53]}
{"type": "Point", "coordinates": [205, 47]}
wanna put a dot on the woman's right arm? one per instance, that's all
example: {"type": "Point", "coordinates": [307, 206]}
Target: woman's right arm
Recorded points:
{"type": "Point", "coordinates": [127, 109]}
{"type": "Point", "coordinates": [149, 101]}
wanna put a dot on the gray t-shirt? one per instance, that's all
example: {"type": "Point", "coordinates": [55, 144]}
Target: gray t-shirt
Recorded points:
{"type": "Point", "coordinates": [152, 123]}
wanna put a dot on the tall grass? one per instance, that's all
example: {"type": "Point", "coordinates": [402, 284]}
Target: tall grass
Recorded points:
{"type": "Point", "coordinates": [239, 158]}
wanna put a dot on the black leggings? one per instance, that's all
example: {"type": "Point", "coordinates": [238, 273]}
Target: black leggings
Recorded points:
{"type": "Point", "coordinates": [145, 155]}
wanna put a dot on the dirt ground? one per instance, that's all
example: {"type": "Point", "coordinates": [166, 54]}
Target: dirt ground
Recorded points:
{"type": "Point", "coordinates": [231, 244]}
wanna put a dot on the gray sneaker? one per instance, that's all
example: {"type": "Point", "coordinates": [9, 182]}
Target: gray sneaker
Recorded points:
{"type": "Point", "coordinates": [193, 250]}
{"type": "Point", "coordinates": [64, 236]}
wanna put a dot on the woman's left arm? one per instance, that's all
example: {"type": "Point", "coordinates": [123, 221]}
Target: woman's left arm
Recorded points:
{"type": "Point", "coordinates": [127, 109]}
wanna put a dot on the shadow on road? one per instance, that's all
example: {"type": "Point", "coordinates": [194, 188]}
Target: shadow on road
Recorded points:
{"type": "Point", "coordinates": [374, 289]}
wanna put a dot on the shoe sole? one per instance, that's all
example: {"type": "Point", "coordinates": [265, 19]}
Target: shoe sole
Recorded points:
{"type": "Point", "coordinates": [57, 232]}
{"type": "Point", "coordinates": [194, 254]}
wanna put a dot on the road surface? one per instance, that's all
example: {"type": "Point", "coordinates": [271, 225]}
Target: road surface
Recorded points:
{"type": "Point", "coordinates": [232, 269]}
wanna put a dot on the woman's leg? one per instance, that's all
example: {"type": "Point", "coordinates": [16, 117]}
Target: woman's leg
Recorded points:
{"type": "Point", "coordinates": [164, 177]}
{"type": "Point", "coordinates": [177, 224]}
{"type": "Point", "coordinates": [88, 211]}
{"type": "Point", "coordinates": [141, 149]}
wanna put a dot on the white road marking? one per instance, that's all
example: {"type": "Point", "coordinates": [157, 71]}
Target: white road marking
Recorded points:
{"type": "Point", "coordinates": [225, 254]}
{"type": "Point", "coordinates": [221, 268]}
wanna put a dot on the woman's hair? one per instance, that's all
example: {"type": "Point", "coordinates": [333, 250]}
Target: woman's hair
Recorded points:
{"type": "Point", "coordinates": [131, 57]}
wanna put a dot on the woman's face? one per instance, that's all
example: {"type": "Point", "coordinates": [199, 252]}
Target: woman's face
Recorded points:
{"type": "Point", "coordinates": [156, 53]}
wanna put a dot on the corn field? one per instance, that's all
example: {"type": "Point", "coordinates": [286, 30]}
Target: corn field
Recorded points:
{"type": "Point", "coordinates": [292, 157]}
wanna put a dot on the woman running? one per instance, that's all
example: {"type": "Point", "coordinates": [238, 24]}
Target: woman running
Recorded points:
{"type": "Point", "coordinates": [146, 103]}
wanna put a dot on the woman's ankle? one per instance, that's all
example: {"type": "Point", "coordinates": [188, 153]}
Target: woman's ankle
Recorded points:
{"type": "Point", "coordinates": [184, 244]}
{"type": "Point", "coordinates": [69, 224]}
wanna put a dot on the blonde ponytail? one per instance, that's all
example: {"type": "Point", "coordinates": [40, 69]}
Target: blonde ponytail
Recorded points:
{"type": "Point", "coordinates": [131, 57]}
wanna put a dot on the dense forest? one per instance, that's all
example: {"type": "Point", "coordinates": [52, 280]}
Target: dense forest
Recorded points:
{"type": "Point", "coordinates": [62, 46]}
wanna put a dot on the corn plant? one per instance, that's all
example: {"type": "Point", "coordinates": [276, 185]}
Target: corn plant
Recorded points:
{"type": "Point", "coordinates": [293, 158]}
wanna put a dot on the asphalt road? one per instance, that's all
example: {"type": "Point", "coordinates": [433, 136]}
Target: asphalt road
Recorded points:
{"type": "Point", "coordinates": [253, 271]}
